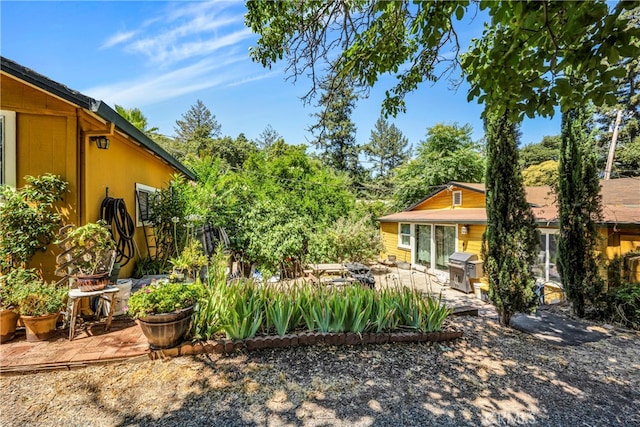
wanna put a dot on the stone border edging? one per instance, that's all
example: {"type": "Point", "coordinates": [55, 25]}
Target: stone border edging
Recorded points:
{"type": "Point", "coordinates": [225, 346]}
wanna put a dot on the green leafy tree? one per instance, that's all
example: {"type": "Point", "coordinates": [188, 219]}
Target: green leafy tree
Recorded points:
{"type": "Point", "coordinates": [545, 150]}
{"type": "Point", "coordinates": [545, 173]}
{"type": "Point", "coordinates": [579, 211]}
{"type": "Point", "coordinates": [280, 198]}
{"type": "Point", "coordinates": [387, 148]}
{"type": "Point", "coordinates": [517, 65]}
{"type": "Point", "coordinates": [197, 129]}
{"type": "Point", "coordinates": [627, 103]}
{"type": "Point", "coordinates": [29, 219]}
{"type": "Point", "coordinates": [335, 133]}
{"type": "Point", "coordinates": [233, 152]}
{"type": "Point", "coordinates": [447, 154]}
{"type": "Point", "coordinates": [520, 66]}
{"type": "Point", "coordinates": [509, 245]}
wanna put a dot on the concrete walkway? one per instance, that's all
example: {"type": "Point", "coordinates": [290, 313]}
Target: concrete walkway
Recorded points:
{"type": "Point", "coordinates": [558, 330]}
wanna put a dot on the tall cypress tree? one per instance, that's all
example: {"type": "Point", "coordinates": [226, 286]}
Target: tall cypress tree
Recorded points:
{"type": "Point", "coordinates": [511, 239]}
{"type": "Point", "coordinates": [579, 211]}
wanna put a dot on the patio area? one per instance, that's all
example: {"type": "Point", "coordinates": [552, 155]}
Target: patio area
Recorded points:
{"type": "Point", "coordinates": [91, 344]}
{"type": "Point", "coordinates": [125, 339]}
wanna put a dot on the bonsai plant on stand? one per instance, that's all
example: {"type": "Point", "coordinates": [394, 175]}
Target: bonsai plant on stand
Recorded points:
{"type": "Point", "coordinates": [164, 310]}
{"type": "Point", "coordinates": [39, 305]}
{"type": "Point", "coordinates": [89, 251]}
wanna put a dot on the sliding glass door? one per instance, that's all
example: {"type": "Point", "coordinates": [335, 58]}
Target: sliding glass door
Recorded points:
{"type": "Point", "coordinates": [445, 243]}
{"type": "Point", "coordinates": [423, 245]}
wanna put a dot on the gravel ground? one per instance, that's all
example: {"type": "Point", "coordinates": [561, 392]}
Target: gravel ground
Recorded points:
{"type": "Point", "coordinates": [492, 376]}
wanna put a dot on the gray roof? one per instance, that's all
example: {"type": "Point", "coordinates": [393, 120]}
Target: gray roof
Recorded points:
{"type": "Point", "coordinates": [96, 106]}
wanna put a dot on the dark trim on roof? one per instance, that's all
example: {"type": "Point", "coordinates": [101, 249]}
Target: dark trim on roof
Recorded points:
{"type": "Point", "coordinates": [439, 189]}
{"type": "Point", "coordinates": [96, 106]}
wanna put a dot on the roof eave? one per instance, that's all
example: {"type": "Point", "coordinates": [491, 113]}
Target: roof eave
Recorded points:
{"type": "Point", "coordinates": [98, 107]}
{"type": "Point", "coordinates": [109, 114]}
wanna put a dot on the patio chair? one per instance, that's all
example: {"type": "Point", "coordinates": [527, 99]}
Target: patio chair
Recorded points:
{"type": "Point", "coordinates": [435, 279]}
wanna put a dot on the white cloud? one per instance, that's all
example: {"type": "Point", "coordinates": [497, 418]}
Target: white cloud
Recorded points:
{"type": "Point", "coordinates": [118, 38]}
{"type": "Point", "coordinates": [256, 78]}
{"type": "Point", "coordinates": [165, 50]}
{"type": "Point", "coordinates": [150, 89]}
{"type": "Point", "coordinates": [183, 32]}
{"type": "Point", "coordinates": [185, 48]}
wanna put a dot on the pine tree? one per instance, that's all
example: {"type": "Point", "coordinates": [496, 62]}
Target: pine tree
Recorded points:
{"type": "Point", "coordinates": [511, 239]}
{"type": "Point", "coordinates": [197, 128]}
{"type": "Point", "coordinates": [387, 147]}
{"type": "Point", "coordinates": [267, 138]}
{"type": "Point", "coordinates": [335, 133]}
{"type": "Point", "coordinates": [579, 211]}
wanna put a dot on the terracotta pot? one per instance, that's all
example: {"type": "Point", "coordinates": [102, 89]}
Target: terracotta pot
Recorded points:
{"type": "Point", "coordinates": [166, 330]}
{"type": "Point", "coordinates": [92, 282]}
{"type": "Point", "coordinates": [40, 328]}
{"type": "Point", "coordinates": [8, 322]}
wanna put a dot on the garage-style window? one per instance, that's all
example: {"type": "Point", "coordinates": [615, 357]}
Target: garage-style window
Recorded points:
{"type": "Point", "coordinates": [144, 193]}
{"type": "Point", "coordinates": [404, 235]}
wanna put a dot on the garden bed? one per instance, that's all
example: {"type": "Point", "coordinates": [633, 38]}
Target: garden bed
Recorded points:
{"type": "Point", "coordinates": [225, 346]}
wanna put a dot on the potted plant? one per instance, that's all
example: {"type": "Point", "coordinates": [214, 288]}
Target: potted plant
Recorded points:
{"type": "Point", "coordinates": [39, 305]}
{"type": "Point", "coordinates": [88, 250]}
{"type": "Point", "coordinates": [9, 285]}
{"type": "Point", "coordinates": [163, 310]}
{"type": "Point", "coordinates": [190, 262]}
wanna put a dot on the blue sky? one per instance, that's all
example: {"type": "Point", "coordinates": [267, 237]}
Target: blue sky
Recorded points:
{"type": "Point", "coordinates": [163, 56]}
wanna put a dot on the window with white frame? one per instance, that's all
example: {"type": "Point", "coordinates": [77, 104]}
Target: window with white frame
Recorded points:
{"type": "Point", "coordinates": [8, 148]}
{"type": "Point", "coordinates": [404, 235]}
{"type": "Point", "coordinates": [144, 194]}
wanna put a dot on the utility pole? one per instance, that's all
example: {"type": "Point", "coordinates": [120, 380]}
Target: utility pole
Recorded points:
{"type": "Point", "coordinates": [612, 147]}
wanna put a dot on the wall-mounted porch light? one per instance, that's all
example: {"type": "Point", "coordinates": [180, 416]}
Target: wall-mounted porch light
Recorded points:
{"type": "Point", "coordinates": [465, 229]}
{"type": "Point", "coordinates": [102, 142]}
{"type": "Point", "coordinates": [100, 136]}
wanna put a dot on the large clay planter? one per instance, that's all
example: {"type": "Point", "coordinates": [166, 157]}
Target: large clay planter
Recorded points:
{"type": "Point", "coordinates": [40, 328]}
{"type": "Point", "coordinates": [166, 330]}
{"type": "Point", "coordinates": [8, 322]}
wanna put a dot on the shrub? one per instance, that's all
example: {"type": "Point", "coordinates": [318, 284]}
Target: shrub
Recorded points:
{"type": "Point", "coordinates": [163, 297]}
{"type": "Point", "coordinates": [29, 221]}
{"type": "Point", "coordinates": [37, 298]}
{"type": "Point", "coordinates": [623, 305]}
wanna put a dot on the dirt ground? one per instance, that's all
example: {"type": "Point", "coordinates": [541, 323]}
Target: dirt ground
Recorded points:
{"type": "Point", "coordinates": [492, 376]}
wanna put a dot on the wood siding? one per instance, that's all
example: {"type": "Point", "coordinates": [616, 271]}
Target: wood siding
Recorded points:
{"type": "Point", "coordinates": [119, 168]}
{"type": "Point", "coordinates": [444, 199]}
{"type": "Point", "coordinates": [472, 241]}
{"type": "Point", "coordinates": [390, 240]}
{"type": "Point", "coordinates": [49, 139]}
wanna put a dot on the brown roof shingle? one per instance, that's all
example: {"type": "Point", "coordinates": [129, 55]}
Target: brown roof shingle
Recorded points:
{"type": "Point", "coordinates": [620, 199]}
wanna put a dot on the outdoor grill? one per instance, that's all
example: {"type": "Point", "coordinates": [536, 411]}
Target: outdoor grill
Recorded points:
{"type": "Point", "coordinates": [462, 267]}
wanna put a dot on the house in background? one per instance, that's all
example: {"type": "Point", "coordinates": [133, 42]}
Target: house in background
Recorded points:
{"type": "Point", "coordinates": [48, 128]}
{"type": "Point", "coordinates": [453, 219]}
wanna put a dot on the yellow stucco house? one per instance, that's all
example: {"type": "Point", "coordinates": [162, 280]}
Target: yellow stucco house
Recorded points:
{"type": "Point", "coordinates": [453, 219]}
{"type": "Point", "coordinates": [48, 128]}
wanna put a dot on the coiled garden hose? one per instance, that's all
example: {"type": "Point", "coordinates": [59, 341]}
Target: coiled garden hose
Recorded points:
{"type": "Point", "coordinates": [114, 212]}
